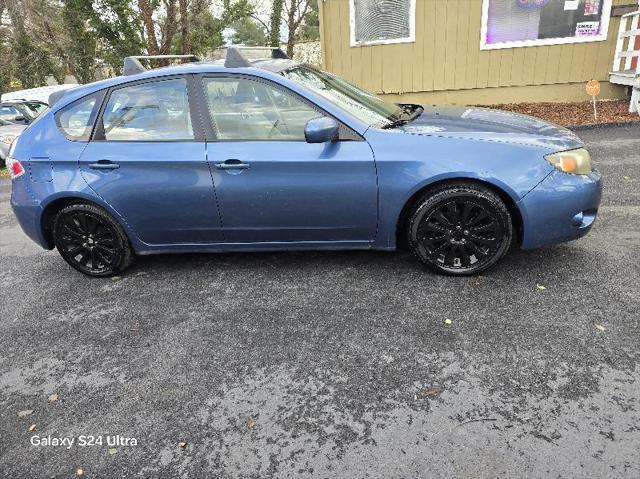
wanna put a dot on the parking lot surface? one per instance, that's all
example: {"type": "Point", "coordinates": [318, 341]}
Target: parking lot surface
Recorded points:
{"type": "Point", "coordinates": [331, 364]}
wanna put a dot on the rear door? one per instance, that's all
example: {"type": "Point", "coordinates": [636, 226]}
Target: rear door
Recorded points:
{"type": "Point", "coordinates": [273, 186]}
{"type": "Point", "coordinates": [148, 161]}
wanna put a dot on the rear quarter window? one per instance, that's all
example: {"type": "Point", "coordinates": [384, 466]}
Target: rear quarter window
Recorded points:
{"type": "Point", "coordinates": [76, 120]}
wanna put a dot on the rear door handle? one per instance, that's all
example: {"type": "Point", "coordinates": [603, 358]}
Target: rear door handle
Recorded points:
{"type": "Point", "coordinates": [104, 165]}
{"type": "Point", "coordinates": [232, 164]}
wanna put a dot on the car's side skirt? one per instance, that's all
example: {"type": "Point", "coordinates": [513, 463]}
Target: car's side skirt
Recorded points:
{"type": "Point", "coordinates": [255, 247]}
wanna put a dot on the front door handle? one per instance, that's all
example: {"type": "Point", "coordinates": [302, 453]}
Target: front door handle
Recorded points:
{"type": "Point", "coordinates": [232, 164]}
{"type": "Point", "coordinates": [104, 165]}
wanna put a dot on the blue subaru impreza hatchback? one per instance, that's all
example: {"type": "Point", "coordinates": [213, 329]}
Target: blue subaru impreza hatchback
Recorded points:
{"type": "Point", "coordinates": [262, 153]}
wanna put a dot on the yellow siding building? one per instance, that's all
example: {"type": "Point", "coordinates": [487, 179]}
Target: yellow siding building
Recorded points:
{"type": "Point", "coordinates": [441, 60]}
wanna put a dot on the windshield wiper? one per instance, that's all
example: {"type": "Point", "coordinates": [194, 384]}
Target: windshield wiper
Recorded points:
{"type": "Point", "coordinates": [395, 124]}
{"type": "Point", "coordinates": [409, 112]}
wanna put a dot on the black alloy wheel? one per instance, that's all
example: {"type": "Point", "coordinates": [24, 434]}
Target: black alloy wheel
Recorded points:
{"type": "Point", "coordinates": [460, 229]}
{"type": "Point", "coordinates": [91, 241]}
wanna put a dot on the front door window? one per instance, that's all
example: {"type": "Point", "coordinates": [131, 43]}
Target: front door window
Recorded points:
{"type": "Point", "coordinates": [244, 109]}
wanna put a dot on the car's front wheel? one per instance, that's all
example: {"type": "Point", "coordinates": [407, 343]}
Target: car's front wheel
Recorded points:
{"type": "Point", "coordinates": [91, 241]}
{"type": "Point", "coordinates": [460, 229]}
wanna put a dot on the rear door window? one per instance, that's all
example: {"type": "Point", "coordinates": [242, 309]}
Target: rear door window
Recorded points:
{"type": "Point", "coordinates": [151, 111]}
{"type": "Point", "coordinates": [76, 120]}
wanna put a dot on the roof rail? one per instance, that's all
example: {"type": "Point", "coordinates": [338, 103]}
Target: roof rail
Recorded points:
{"type": "Point", "coordinates": [133, 66]}
{"type": "Point", "coordinates": [235, 59]}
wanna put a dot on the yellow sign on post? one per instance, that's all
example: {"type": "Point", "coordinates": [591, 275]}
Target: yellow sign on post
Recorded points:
{"type": "Point", "coordinates": [593, 89]}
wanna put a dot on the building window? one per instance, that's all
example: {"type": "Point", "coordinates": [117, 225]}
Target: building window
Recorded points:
{"type": "Point", "coordinates": [525, 23]}
{"type": "Point", "coordinates": [382, 21]}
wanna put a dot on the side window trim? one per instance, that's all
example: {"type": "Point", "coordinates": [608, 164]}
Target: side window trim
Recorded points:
{"type": "Point", "coordinates": [99, 96]}
{"type": "Point", "coordinates": [197, 122]}
{"type": "Point", "coordinates": [346, 132]}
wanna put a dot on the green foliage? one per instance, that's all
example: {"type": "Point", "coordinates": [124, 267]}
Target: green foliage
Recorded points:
{"type": "Point", "coordinates": [310, 28]}
{"type": "Point", "coordinates": [118, 26]}
{"type": "Point", "coordinates": [206, 29]}
{"type": "Point", "coordinates": [32, 62]}
{"type": "Point", "coordinates": [82, 40]}
{"type": "Point", "coordinates": [206, 33]}
{"type": "Point", "coordinates": [248, 32]}
{"type": "Point", "coordinates": [40, 38]}
{"type": "Point", "coordinates": [6, 67]}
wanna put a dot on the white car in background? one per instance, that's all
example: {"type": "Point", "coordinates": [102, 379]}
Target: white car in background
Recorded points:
{"type": "Point", "coordinates": [8, 132]}
{"type": "Point", "coordinates": [40, 94]}
{"type": "Point", "coordinates": [18, 108]}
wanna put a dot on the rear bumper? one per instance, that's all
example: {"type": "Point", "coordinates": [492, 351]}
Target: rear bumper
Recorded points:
{"type": "Point", "coordinates": [561, 208]}
{"type": "Point", "coordinates": [29, 214]}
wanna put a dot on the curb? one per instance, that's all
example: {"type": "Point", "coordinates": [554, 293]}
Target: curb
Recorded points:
{"type": "Point", "coordinates": [594, 126]}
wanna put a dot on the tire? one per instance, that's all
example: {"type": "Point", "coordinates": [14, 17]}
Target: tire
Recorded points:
{"type": "Point", "coordinates": [91, 241]}
{"type": "Point", "coordinates": [460, 229]}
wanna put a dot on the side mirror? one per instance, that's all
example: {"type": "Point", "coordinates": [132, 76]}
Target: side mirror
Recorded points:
{"type": "Point", "coordinates": [321, 130]}
{"type": "Point", "coordinates": [20, 118]}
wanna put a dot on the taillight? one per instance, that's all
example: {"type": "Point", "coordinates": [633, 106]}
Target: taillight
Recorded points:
{"type": "Point", "coordinates": [15, 168]}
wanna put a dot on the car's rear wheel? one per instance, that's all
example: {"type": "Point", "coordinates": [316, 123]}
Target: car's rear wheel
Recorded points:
{"type": "Point", "coordinates": [460, 229]}
{"type": "Point", "coordinates": [91, 241]}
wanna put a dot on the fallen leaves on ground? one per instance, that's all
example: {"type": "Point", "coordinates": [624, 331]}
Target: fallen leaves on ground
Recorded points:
{"type": "Point", "coordinates": [448, 322]}
{"type": "Point", "coordinates": [433, 391]}
{"type": "Point", "coordinates": [251, 423]}
{"type": "Point", "coordinates": [182, 444]}
{"type": "Point", "coordinates": [112, 451]}
{"type": "Point", "coordinates": [572, 114]}
{"type": "Point", "coordinates": [53, 397]}
{"type": "Point", "coordinates": [24, 413]}
{"type": "Point", "coordinates": [541, 287]}
{"type": "Point", "coordinates": [599, 327]}
{"type": "Point", "coordinates": [79, 472]}
{"type": "Point", "coordinates": [32, 428]}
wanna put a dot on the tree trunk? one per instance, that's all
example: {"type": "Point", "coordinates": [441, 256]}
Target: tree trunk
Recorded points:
{"type": "Point", "coordinates": [171, 26]}
{"type": "Point", "coordinates": [276, 19]}
{"type": "Point", "coordinates": [291, 27]}
{"type": "Point", "coordinates": [147, 18]}
{"type": "Point", "coordinates": [185, 29]}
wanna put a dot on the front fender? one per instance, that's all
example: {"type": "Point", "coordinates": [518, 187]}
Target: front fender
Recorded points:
{"type": "Point", "coordinates": [407, 164]}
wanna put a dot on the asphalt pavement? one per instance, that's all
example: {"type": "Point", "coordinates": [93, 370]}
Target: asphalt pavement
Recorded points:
{"type": "Point", "coordinates": [330, 364]}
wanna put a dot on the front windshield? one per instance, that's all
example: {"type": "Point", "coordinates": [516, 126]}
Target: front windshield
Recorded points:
{"type": "Point", "coordinates": [34, 108]}
{"type": "Point", "coordinates": [363, 105]}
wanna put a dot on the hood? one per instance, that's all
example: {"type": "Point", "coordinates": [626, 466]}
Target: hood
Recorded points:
{"type": "Point", "coordinates": [498, 126]}
{"type": "Point", "coordinates": [12, 129]}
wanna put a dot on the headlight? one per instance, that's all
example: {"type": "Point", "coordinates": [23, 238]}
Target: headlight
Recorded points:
{"type": "Point", "coordinates": [8, 139]}
{"type": "Point", "coordinates": [576, 162]}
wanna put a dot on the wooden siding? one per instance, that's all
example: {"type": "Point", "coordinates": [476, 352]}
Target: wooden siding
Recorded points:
{"type": "Point", "coordinates": [446, 54]}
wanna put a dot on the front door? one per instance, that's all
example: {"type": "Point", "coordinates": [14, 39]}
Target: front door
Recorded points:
{"type": "Point", "coordinates": [271, 185]}
{"type": "Point", "coordinates": [148, 165]}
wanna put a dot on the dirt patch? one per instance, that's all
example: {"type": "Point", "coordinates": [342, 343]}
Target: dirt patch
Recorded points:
{"type": "Point", "coordinates": [573, 114]}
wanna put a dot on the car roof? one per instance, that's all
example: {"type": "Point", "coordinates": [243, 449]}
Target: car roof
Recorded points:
{"type": "Point", "coordinates": [265, 67]}
{"type": "Point", "coordinates": [20, 101]}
